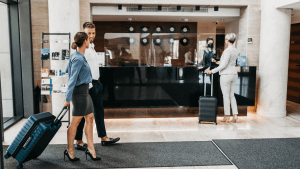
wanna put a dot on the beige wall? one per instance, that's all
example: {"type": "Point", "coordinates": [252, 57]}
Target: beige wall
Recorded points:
{"type": "Point", "coordinates": [39, 24]}
{"type": "Point", "coordinates": [295, 16]}
{"type": "Point", "coordinates": [85, 12]}
{"type": "Point", "coordinates": [233, 27]}
{"type": "Point", "coordinates": [254, 19]}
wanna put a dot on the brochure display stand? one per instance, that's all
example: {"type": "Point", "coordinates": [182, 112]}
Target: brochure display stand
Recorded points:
{"type": "Point", "coordinates": [54, 78]}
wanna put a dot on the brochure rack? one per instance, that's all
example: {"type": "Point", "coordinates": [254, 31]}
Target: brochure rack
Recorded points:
{"type": "Point", "coordinates": [62, 43]}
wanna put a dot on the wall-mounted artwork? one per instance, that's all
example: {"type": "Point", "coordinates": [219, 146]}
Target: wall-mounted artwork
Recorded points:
{"type": "Point", "coordinates": [171, 41]}
{"type": "Point", "coordinates": [158, 41]}
{"type": "Point", "coordinates": [184, 41]}
{"type": "Point", "coordinates": [130, 41]}
{"type": "Point", "coordinates": [145, 29]}
{"type": "Point", "coordinates": [131, 29]}
{"type": "Point", "coordinates": [172, 29]}
{"type": "Point", "coordinates": [185, 30]}
{"type": "Point", "coordinates": [144, 41]}
{"type": "Point", "coordinates": [158, 29]}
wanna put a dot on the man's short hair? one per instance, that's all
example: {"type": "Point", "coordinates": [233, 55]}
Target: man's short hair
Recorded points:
{"type": "Point", "coordinates": [88, 25]}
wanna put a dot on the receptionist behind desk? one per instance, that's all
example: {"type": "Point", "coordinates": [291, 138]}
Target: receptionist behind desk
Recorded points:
{"type": "Point", "coordinates": [189, 57]}
{"type": "Point", "coordinates": [209, 61]}
{"type": "Point", "coordinates": [209, 54]}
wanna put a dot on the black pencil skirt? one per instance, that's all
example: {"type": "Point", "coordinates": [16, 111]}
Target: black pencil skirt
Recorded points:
{"type": "Point", "coordinates": [82, 101]}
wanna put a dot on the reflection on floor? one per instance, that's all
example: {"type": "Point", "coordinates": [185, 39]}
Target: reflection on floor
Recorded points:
{"type": "Point", "coordinates": [188, 129]}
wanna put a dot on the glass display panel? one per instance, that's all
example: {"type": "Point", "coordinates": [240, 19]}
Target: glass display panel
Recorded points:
{"type": "Point", "coordinates": [127, 49]}
{"type": "Point", "coordinates": [174, 49]}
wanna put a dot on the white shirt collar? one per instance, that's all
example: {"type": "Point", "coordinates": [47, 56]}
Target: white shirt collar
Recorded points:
{"type": "Point", "coordinates": [92, 45]}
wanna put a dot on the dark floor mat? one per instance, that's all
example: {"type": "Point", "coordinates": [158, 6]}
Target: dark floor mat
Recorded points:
{"type": "Point", "coordinates": [132, 155]}
{"type": "Point", "coordinates": [262, 153]}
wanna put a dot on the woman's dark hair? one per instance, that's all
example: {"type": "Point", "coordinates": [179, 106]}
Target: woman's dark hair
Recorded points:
{"type": "Point", "coordinates": [208, 39]}
{"type": "Point", "coordinates": [79, 39]}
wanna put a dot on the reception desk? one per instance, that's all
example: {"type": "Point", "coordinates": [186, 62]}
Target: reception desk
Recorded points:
{"type": "Point", "coordinates": [161, 87]}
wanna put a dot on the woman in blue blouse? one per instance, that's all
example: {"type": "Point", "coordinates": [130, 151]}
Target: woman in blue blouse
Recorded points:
{"type": "Point", "coordinates": [79, 77]}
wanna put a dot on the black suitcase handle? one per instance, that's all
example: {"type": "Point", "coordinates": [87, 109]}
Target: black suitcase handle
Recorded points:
{"type": "Point", "coordinates": [211, 86]}
{"type": "Point", "coordinates": [61, 115]}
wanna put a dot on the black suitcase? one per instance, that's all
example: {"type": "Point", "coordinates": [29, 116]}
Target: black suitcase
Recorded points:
{"type": "Point", "coordinates": [208, 105]}
{"type": "Point", "coordinates": [34, 137]}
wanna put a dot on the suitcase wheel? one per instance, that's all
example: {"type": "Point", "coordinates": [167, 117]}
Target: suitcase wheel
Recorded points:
{"type": "Point", "coordinates": [215, 123]}
{"type": "Point", "coordinates": [20, 166]}
{"type": "Point", "coordinates": [6, 156]}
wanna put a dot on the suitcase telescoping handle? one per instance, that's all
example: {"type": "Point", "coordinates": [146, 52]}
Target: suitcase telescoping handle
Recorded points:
{"type": "Point", "coordinates": [211, 85]}
{"type": "Point", "coordinates": [61, 115]}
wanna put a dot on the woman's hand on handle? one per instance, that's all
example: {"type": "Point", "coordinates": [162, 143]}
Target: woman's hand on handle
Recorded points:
{"type": "Point", "coordinates": [67, 104]}
{"type": "Point", "coordinates": [208, 72]}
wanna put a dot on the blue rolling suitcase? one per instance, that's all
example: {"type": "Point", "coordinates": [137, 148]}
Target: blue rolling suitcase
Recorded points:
{"type": "Point", "coordinates": [208, 105]}
{"type": "Point", "coordinates": [35, 136]}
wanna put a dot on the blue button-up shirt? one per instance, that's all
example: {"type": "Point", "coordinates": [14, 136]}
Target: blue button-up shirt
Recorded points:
{"type": "Point", "coordinates": [79, 72]}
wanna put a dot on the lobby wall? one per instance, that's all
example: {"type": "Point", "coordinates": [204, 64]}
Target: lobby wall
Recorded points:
{"type": "Point", "coordinates": [293, 89]}
{"type": "Point", "coordinates": [85, 12]}
{"type": "Point", "coordinates": [39, 24]}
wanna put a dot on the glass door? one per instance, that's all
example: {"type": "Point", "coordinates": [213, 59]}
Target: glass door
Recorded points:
{"type": "Point", "coordinates": [5, 65]}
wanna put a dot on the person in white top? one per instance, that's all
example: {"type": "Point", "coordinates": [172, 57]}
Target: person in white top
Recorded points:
{"type": "Point", "coordinates": [189, 56]}
{"type": "Point", "coordinates": [228, 77]}
{"type": "Point", "coordinates": [96, 93]}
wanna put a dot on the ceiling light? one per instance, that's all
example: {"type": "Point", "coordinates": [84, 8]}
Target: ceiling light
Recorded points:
{"type": "Point", "coordinates": [119, 7]}
{"type": "Point", "coordinates": [159, 7]}
{"type": "Point", "coordinates": [216, 8]}
{"type": "Point", "coordinates": [197, 8]}
{"type": "Point", "coordinates": [139, 7]}
{"type": "Point", "coordinates": [178, 8]}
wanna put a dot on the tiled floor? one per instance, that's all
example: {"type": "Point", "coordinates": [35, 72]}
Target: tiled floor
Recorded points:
{"type": "Point", "coordinates": [188, 129]}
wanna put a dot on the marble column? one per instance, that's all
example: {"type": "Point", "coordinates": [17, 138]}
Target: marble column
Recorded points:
{"type": "Point", "coordinates": [64, 17]}
{"type": "Point", "coordinates": [273, 59]}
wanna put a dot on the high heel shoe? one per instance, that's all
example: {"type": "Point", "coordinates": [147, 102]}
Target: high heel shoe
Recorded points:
{"type": "Point", "coordinates": [226, 118]}
{"type": "Point", "coordinates": [87, 152]}
{"type": "Point", "coordinates": [66, 153]}
{"type": "Point", "coordinates": [234, 119]}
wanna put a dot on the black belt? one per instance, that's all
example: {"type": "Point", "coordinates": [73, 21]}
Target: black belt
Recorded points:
{"type": "Point", "coordinates": [95, 81]}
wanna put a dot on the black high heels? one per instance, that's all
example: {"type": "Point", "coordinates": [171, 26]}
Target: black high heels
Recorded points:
{"type": "Point", "coordinates": [66, 153]}
{"type": "Point", "coordinates": [87, 152]}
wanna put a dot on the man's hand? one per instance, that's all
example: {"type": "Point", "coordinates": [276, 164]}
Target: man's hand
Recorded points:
{"type": "Point", "coordinates": [67, 104]}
